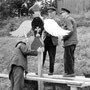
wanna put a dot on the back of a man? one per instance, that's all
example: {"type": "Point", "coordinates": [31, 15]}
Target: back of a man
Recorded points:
{"type": "Point", "coordinates": [18, 65]}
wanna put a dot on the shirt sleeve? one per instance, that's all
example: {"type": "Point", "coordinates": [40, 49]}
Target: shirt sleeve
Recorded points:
{"type": "Point", "coordinates": [68, 26]}
{"type": "Point", "coordinates": [26, 51]}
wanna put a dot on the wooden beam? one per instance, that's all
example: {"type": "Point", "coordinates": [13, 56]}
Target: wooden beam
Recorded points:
{"type": "Point", "coordinates": [77, 78]}
{"type": "Point", "coordinates": [73, 88]}
{"type": "Point", "coordinates": [4, 75]}
{"type": "Point", "coordinates": [40, 61]}
{"type": "Point", "coordinates": [71, 83]}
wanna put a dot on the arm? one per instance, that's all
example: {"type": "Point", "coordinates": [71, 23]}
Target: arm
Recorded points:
{"type": "Point", "coordinates": [69, 26]}
{"type": "Point", "coordinates": [26, 51]}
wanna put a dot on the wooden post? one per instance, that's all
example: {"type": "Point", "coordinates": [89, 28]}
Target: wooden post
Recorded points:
{"type": "Point", "coordinates": [40, 61]}
{"type": "Point", "coordinates": [73, 87]}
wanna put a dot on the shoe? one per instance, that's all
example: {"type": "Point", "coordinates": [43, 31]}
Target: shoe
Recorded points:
{"type": "Point", "coordinates": [50, 73]}
{"type": "Point", "coordinates": [36, 73]}
{"type": "Point", "coordinates": [65, 74]}
{"type": "Point", "coordinates": [69, 75]}
{"type": "Point", "coordinates": [87, 75]}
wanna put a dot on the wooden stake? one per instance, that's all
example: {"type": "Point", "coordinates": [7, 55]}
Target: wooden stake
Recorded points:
{"type": "Point", "coordinates": [73, 88]}
{"type": "Point", "coordinates": [40, 61]}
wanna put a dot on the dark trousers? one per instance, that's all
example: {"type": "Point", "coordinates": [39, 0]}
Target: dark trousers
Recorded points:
{"type": "Point", "coordinates": [69, 59]}
{"type": "Point", "coordinates": [17, 78]}
{"type": "Point", "coordinates": [52, 52]}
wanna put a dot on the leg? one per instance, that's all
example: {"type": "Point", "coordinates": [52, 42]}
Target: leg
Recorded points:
{"type": "Point", "coordinates": [11, 79]}
{"type": "Point", "coordinates": [52, 53]}
{"type": "Point", "coordinates": [18, 74]}
{"type": "Point", "coordinates": [69, 59]}
{"type": "Point", "coordinates": [44, 55]}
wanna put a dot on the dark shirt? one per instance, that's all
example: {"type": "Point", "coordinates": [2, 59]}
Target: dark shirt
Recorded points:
{"type": "Point", "coordinates": [48, 41]}
{"type": "Point", "coordinates": [52, 40]}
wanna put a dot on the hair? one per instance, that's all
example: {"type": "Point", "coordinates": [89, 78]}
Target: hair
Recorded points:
{"type": "Point", "coordinates": [37, 22]}
{"type": "Point", "coordinates": [19, 43]}
{"type": "Point", "coordinates": [44, 11]}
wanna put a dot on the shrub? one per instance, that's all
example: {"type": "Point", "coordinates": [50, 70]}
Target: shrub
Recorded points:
{"type": "Point", "coordinates": [4, 10]}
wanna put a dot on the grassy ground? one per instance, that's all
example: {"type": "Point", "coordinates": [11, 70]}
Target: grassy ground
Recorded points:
{"type": "Point", "coordinates": [7, 43]}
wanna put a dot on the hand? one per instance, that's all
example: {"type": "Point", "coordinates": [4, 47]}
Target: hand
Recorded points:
{"type": "Point", "coordinates": [25, 73]}
{"type": "Point", "coordinates": [60, 38]}
{"type": "Point", "coordinates": [40, 49]}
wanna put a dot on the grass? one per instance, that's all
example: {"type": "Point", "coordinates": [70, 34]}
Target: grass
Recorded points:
{"type": "Point", "coordinates": [7, 43]}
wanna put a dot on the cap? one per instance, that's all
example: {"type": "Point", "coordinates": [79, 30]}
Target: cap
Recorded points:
{"type": "Point", "coordinates": [64, 9]}
{"type": "Point", "coordinates": [51, 8]}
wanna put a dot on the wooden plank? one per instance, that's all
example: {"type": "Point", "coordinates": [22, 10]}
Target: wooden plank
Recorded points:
{"type": "Point", "coordinates": [33, 76]}
{"type": "Point", "coordinates": [78, 83]}
{"type": "Point", "coordinates": [77, 78]}
{"type": "Point", "coordinates": [85, 84]}
{"type": "Point", "coordinates": [45, 79]}
{"type": "Point", "coordinates": [4, 75]}
{"type": "Point", "coordinates": [58, 77]}
{"type": "Point", "coordinates": [34, 46]}
{"type": "Point", "coordinates": [73, 88]}
{"type": "Point", "coordinates": [40, 61]}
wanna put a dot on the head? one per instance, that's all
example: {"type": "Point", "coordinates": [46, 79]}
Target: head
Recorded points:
{"type": "Point", "coordinates": [64, 12]}
{"type": "Point", "coordinates": [44, 12]}
{"type": "Point", "coordinates": [51, 12]}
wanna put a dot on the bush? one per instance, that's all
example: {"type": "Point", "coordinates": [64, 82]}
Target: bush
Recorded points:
{"type": "Point", "coordinates": [10, 8]}
{"type": "Point", "coordinates": [4, 10]}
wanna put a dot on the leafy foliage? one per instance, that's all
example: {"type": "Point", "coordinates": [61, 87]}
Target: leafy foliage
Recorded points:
{"type": "Point", "coordinates": [12, 7]}
{"type": "Point", "coordinates": [4, 10]}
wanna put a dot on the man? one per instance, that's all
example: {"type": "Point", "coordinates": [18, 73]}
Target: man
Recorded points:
{"type": "Point", "coordinates": [18, 65]}
{"type": "Point", "coordinates": [70, 42]}
{"type": "Point", "coordinates": [50, 43]}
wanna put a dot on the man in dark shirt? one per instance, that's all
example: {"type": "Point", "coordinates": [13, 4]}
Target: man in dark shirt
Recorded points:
{"type": "Point", "coordinates": [50, 43]}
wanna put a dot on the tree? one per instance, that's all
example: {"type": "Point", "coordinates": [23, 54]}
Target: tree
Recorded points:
{"type": "Point", "coordinates": [54, 3]}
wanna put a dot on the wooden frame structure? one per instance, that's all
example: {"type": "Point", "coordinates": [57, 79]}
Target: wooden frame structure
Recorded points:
{"type": "Point", "coordinates": [73, 82]}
